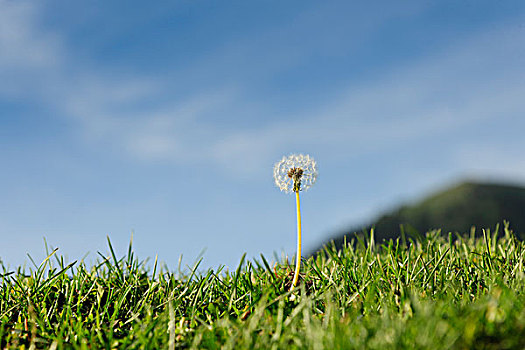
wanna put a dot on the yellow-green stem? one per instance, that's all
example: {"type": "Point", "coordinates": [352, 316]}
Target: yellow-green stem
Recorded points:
{"type": "Point", "coordinates": [298, 260]}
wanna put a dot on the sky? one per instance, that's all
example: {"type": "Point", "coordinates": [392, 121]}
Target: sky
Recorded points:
{"type": "Point", "coordinates": [165, 119]}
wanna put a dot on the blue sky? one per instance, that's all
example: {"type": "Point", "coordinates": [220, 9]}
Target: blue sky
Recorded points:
{"type": "Point", "coordinates": [166, 119]}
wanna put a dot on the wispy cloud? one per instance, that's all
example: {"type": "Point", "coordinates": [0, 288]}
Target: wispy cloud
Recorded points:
{"type": "Point", "coordinates": [172, 132]}
{"type": "Point", "coordinates": [22, 45]}
{"type": "Point", "coordinates": [27, 54]}
{"type": "Point", "coordinates": [121, 112]}
{"type": "Point", "coordinates": [481, 78]}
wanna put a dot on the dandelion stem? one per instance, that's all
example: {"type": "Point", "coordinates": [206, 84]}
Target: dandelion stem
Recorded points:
{"type": "Point", "coordinates": [298, 260]}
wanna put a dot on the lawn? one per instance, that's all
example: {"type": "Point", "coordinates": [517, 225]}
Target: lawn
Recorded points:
{"type": "Point", "coordinates": [439, 291]}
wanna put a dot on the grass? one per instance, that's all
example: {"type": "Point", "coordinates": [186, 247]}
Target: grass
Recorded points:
{"type": "Point", "coordinates": [434, 292]}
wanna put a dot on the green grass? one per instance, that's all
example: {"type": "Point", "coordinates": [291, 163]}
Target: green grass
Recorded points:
{"type": "Point", "coordinates": [434, 292]}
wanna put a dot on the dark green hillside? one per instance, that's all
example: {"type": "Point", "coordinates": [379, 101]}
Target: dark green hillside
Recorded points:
{"type": "Point", "coordinates": [456, 209]}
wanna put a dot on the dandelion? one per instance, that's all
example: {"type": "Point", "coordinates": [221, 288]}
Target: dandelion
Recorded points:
{"type": "Point", "coordinates": [295, 173]}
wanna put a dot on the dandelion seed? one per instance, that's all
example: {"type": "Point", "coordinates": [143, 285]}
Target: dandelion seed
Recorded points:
{"type": "Point", "coordinates": [295, 173]}
{"type": "Point", "coordinates": [286, 181]}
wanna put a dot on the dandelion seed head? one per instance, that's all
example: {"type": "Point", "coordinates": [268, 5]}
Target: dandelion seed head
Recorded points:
{"type": "Point", "coordinates": [295, 172]}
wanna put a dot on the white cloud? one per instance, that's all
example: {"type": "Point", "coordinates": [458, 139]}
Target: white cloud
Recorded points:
{"type": "Point", "coordinates": [22, 45]}
{"type": "Point", "coordinates": [475, 81]}
{"type": "Point", "coordinates": [480, 79]}
{"type": "Point", "coordinates": [27, 54]}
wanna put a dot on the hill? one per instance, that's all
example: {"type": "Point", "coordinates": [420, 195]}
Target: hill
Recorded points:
{"type": "Point", "coordinates": [456, 209]}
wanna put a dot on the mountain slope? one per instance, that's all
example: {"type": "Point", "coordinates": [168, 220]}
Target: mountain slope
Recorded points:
{"type": "Point", "coordinates": [456, 209]}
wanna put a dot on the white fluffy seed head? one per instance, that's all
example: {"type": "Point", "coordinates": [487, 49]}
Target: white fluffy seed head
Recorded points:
{"type": "Point", "coordinates": [298, 161]}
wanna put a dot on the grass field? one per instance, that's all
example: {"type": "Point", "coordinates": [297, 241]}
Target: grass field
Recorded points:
{"type": "Point", "coordinates": [435, 292]}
